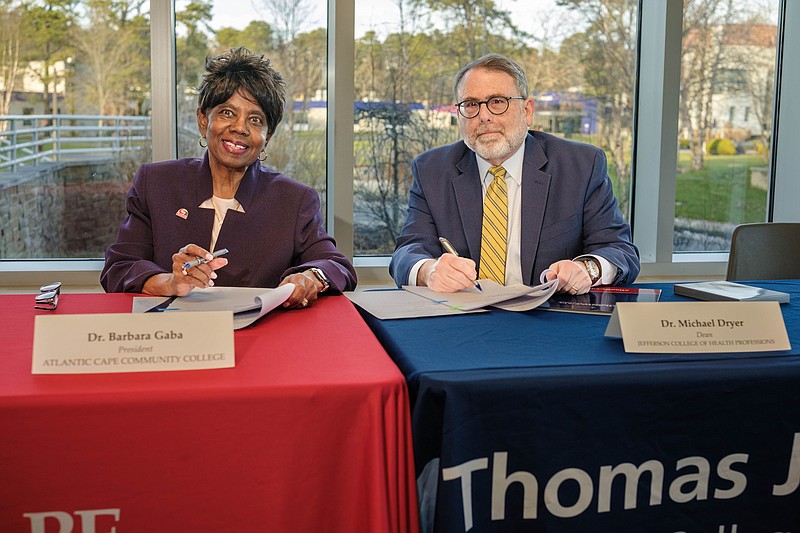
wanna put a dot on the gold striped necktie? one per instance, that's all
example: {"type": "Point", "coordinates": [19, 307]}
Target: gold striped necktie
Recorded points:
{"type": "Point", "coordinates": [494, 230]}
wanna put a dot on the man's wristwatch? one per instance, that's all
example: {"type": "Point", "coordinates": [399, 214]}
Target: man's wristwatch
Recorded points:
{"type": "Point", "coordinates": [592, 268]}
{"type": "Point", "coordinates": [320, 275]}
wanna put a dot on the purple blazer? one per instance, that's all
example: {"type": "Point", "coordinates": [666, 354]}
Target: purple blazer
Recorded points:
{"type": "Point", "coordinates": [279, 233]}
{"type": "Point", "coordinates": [568, 209]}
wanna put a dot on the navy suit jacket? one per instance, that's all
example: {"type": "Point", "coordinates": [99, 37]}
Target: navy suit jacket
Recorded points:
{"type": "Point", "coordinates": [568, 209]}
{"type": "Point", "coordinates": [279, 233]}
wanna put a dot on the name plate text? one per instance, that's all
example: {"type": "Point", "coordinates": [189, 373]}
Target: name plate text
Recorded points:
{"type": "Point", "coordinates": [138, 342]}
{"type": "Point", "coordinates": [699, 327]}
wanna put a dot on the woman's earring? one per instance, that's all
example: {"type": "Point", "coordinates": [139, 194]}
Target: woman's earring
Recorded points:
{"type": "Point", "coordinates": [262, 156]}
{"type": "Point", "coordinates": [202, 142]}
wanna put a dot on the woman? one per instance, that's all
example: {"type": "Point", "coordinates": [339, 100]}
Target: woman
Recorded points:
{"type": "Point", "coordinates": [179, 211]}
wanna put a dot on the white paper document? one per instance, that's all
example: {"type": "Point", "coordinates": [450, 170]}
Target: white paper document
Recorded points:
{"type": "Point", "coordinates": [533, 299]}
{"type": "Point", "coordinates": [388, 304]}
{"type": "Point", "coordinates": [247, 303]}
{"type": "Point", "coordinates": [516, 297]}
{"type": "Point", "coordinates": [415, 302]}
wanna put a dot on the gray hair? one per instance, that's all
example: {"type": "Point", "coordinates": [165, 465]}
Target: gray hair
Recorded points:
{"type": "Point", "coordinates": [497, 63]}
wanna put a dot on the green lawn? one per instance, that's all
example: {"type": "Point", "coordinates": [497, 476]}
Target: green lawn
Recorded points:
{"type": "Point", "coordinates": [721, 191]}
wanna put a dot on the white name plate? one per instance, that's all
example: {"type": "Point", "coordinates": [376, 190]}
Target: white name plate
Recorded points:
{"type": "Point", "coordinates": [125, 342]}
{"type": "Point", "coordinates": [699, 327]}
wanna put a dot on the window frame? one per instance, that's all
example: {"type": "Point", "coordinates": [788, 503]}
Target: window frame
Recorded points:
{"type": "Point", "coordinates": [655, 140]}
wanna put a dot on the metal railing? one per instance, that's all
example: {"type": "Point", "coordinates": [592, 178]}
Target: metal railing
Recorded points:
{"type": "Point", "coordinates": [34, 139]}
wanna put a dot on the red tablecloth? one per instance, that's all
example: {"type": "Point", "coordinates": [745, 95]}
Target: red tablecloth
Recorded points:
{"type": "Point", "coordinates": [309, 432]}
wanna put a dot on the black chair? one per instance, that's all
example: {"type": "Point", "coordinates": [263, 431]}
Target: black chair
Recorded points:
{"type": "Point", "coordinates": [765, 251]}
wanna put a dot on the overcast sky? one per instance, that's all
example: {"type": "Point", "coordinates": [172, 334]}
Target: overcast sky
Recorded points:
{"type": "Point", "coordinates": [541, 18]}
{"type": "Point", "coordinates": [378, 15]}
{"type": "Point", "coordinates": [238, 14]}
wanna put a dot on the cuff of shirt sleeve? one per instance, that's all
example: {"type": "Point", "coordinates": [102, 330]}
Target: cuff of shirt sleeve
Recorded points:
{"type": "Point", "coordinates": [608, 270]}
{"type": "Point", "coordinates": [412, 276]}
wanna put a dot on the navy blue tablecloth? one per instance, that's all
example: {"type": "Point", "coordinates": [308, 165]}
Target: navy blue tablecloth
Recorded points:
{"type": "Point", "coordinates": [536, 422]}
{"type": "Point", "coordinates": [534, 338]}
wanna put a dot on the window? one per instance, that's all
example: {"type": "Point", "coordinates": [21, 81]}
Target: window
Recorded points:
{"type": "Point", "coordinates": [292, 35]}
{"type": "Point", "coordinates": [727, 66]}
{"type": "Point", "coordinates": [729, 80]}
{"type": "Point", "coordinates": [74, 124]}
{"type": "Point", "coordinates": [579, 61]}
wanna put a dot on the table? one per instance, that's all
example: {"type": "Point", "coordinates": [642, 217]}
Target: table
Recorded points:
{"type": "Point", "coordinates": [309, 432]}
{"type": "Point", "coordinates": [536, 422]}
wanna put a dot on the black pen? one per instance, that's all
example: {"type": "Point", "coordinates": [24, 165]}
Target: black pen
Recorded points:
{"type": "Point", "coordinates": [449, 249]}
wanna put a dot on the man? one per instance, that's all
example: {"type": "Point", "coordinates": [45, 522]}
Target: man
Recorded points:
{"type": "Point", "coordinates": [549, 202]}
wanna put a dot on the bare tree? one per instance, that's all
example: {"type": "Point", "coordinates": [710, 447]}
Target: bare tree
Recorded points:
{"type": "Point", "coordinates": [474, 25]}
{"type": "Point", "coordinates": [751, 57]}
{"type": "Point", "coordinates": [703, 53]}
{"type": "Point", "coordinates": [553, 63]}
{"type": "Point", "coordinates": [10, 37]}
{"type": "Point", "coordinates": [394, 133]}
{"type": "Point", "coordinates": [113, 55]}
{"type": "Point", "coordinates": [607, 50]}
{"type": "Point", "coordinates": [395, 79]}
{"type": "Point", "coordinates": [287, 18]}
{"type": "Point", "coordinates": [46, 24]}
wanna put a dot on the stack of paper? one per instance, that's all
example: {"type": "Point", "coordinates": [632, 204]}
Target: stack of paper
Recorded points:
{"type": "Point", "coordinates": [248, 304]}
{"type": "Point", "coordinates": [414, 302]}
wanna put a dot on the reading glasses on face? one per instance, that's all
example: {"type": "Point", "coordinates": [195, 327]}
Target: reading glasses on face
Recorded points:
{"type": "Point", "coordinates": [497, 105]}
{"type": "Point", "coordinates": [48, 297]}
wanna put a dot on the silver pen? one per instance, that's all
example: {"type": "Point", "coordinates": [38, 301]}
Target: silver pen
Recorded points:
{"type": "Point", "coordinates": [201, 260]}
{"type": "Point", "coordinates": [449, 249]}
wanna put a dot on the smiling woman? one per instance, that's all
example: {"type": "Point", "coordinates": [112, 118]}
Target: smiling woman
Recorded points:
{"type": "Point", "coordinates": [180, 210]}
{"type": "Point", "coordinates": [236, 133]}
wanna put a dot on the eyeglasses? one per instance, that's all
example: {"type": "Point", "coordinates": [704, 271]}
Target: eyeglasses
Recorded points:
{"type": "Point", "coordinates": [497, 105]}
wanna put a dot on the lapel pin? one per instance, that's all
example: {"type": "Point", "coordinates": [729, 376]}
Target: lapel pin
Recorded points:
{"type": "Point", "coordinates": [183, 213]}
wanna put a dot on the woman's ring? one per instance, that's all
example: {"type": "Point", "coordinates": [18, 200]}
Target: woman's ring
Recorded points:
{"type": "Point", "coordinates": [574, 290]}
{"type": "Point", "coordinates": [304, 302]}
{"type": "Point", "coordinates": [184, 272]}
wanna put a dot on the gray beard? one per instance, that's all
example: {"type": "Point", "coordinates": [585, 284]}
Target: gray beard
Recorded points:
{"type": "Point", "coordinates": [502, 149]}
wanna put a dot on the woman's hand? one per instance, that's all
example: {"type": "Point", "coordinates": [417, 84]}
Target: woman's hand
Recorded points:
{"type": "Point", "coordinates": [183, 280]}
{"type": "Point", "coordinates": [306, 289]}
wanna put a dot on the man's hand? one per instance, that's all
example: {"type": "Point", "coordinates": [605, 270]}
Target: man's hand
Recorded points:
{"type": "Point", "coordinates": [572, 276]}
{"type": "Point", "coordinates": [449, 273]}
